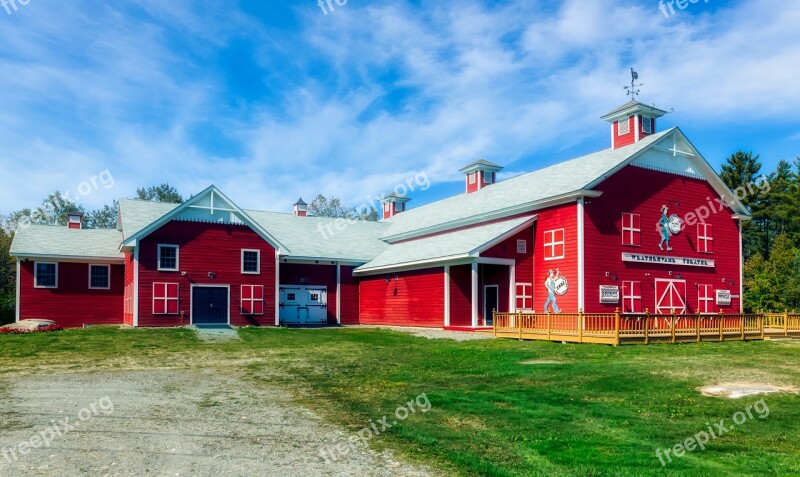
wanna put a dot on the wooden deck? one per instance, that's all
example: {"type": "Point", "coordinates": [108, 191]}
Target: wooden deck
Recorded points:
{"type": "Point", "coordinates": [617, 329]}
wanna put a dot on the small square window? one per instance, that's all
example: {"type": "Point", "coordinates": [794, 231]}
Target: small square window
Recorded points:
{"type": "Point", "coordinates": [100, 277]}
{"type": "Point", "coordinates": [522, 246]}
{"type": "Point", "coordinates": [251, 262]}
{"type": "Point", "coordinates": [45, 275]}
{"type": "Point", "coordinates": [168, 257]}
{"type": "Point", "coordinates": [554, 244]}
{"type": "Point", "coordinates": [315, 297]}
{"type": "Point", "coordinates": [623, 127]}
{"type": "Point", "coordinates": [291, 296]}
{"type": "Point", "coordinates": [647, 125]}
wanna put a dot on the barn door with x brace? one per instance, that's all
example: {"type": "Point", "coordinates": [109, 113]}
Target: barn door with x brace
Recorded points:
{"type": "Point", "coordinates": [670, 296]}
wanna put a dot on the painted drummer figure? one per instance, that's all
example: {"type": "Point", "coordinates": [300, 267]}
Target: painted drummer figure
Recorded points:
{"type": "Point", "coordinates": [665, 231]}
{"type": "Point", "coordinates": [550, 284]}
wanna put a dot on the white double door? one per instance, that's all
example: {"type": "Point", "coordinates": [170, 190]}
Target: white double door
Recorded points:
{"type": "Point", "coordinates": [303, 304]}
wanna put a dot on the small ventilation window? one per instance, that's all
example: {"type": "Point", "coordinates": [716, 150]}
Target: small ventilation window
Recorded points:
{"type": "Point", "coordinates": [522, 246]}
{"type": "Point", "coordinates": [623, 127]}
{"type": "Point", "coordinates": [647, 125]}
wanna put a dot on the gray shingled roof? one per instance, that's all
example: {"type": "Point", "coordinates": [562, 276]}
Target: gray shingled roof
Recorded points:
{"type": "Point", "coordinates": [138, 214]}
{"type": "Point", "coordinates": [61, 241]}
{"type": "Point", "coordinates": [558, 179]}
{"type": "Point", "coordinates": [453, 245]}
{"type": "Point", "coordinates": [318, 237]}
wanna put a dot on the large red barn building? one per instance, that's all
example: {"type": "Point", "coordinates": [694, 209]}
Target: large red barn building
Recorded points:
{"type": "Point", "coordinates": [645, 224]}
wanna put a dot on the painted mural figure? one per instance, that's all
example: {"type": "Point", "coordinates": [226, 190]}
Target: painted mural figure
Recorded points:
{"type": "Point", "coordinates": [665, 229]}
{"type": "Point", "coordinates": [550, 284]}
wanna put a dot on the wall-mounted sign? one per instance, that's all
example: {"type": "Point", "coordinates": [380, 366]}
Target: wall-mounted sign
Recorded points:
{"type": "Point", "coordinates": [723, 297]}
{"type": "Point", "coordinates": [666, 260]}
{"type": "Point", "coordinates": [609, 294]}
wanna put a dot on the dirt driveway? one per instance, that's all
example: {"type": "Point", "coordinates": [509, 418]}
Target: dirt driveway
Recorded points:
{"type": "Point", "coordinates": [168, 423]}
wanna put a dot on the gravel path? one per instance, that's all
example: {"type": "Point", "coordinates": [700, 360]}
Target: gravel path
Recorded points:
{"type": "Point", "coordinates": [170, 423]}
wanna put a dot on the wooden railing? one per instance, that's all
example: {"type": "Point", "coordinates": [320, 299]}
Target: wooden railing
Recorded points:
{"type": "Point", "coordinates": [616, 328]}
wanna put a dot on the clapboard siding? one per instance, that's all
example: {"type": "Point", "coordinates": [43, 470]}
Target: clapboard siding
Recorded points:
{"type": "Point", "coordinates": [460, 295]}
{"type": "Point", "coordinates": [561, 217]}
{"type": "Point", "coordinates": [350, 293]}
{"type": "Point", "coordinates": [415, 298]}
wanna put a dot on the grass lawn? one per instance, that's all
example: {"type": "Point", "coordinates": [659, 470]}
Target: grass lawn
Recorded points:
{"type": "Point", "coordinates": [582, 410]}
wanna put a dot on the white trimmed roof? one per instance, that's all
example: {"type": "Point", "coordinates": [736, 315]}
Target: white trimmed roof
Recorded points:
{"type": "Point", "coordinates": [137, 214]}
{"type": "Point", "coordinates": [318, 237]}
{"type": "Point", "coordinates": [61, 241]}
{"type": "Point", "coordinates": [455, 245]}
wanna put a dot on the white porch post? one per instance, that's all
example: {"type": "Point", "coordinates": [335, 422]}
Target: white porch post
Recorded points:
{"type": "Point", "coordinates": [19, 277]}
{"type": "Point", "coordinates": [512, 289]}
{"type": "Point", "coordinates": [447, 295]}
{"type": "Point", "coordinates": [475, 294]}
{"type": "Point", "coordinates": [136, 288]}
{"type": "Point", "coordinates": [277, 295]}
{"type": "Point", "coordinates": [338, 294]}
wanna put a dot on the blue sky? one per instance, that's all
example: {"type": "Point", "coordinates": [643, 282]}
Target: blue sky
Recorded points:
{"type": "Point", "coordinates": [273, 100]}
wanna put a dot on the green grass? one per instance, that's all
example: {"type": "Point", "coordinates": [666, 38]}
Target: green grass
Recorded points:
{"type": "Point", "coordinates": [600, 411]}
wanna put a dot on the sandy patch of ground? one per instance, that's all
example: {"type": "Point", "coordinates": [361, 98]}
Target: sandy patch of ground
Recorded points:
{"type": "Point", "coordinates": [742, 389]}
{"type": "Point", "coordinates": [171, 423]}
{"type": "Point", "coordinates": [540, 361]}
{"type": "Point", "coordinates": [435, 333]}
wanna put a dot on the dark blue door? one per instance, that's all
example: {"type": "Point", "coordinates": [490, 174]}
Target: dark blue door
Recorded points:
{"type": "Point", "coordinates": [210, 306]}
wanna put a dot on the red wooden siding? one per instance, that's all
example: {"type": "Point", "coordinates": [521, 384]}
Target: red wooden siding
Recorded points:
{"type": "Point", "coordinates": [205, 248]}
{"type": "Point", "coordinates": [350, 293]}
{"type": "Point", "coordinates": [643, 191]}
{"type": "Point", "coordinates": [560, 217]}
{"type": "Point", "coordinates": [311, 274]}
{"type": "Point", "coordinates": [72, 304]}
{"type": "Point", "coordinates": [416, 298]}
{"type": "Point", "coordinates": [625, 139]}
{"type": "Point", "coordinates": [460, 295]}
{"type": "Point", "coordinates": [523, 262]}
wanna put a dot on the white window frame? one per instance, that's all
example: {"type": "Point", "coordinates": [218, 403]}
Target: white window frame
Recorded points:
{"type": "Point", "coordinates": [258, 261]}
{"type": "Point", "coordinates": [36, 274]}
{"type": "Point", "coordinates": [709, 300]}
{"type": "Point", "coordinates": [488, 177]}
{"type": "Point", "coordinates": [108, 268]}
{"type": "Point", "coordinates": [553, 244]}
{"type": "Point", "coordinates": [177, 258]}
{"type": "Point", "coordinates": [166, 299]}
{"type": "Point", "coordinates": [522, 246]}
{"type": "Point", "coordinates": [705, 238]}
{"type": "Point", "coordinates": [627, 123]}
{"type": "Point", "coordinates": [630, 297]}
{"type": "Point", "coordinates": [526, 296]}
{"type": "Point", "coordinates": [632, 230]}
{"type": "Point", "coordinates": [647, 125]}
{"type": "Point", "coordinates": [252, 300]}
{"type": "Point", "coordinates": [472, 177]}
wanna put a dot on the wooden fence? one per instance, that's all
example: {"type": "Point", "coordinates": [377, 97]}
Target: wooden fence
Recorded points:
{"type": "Point", "coordinates": [644, 328]}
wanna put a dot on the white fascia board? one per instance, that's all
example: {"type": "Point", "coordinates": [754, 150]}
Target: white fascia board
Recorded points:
{"type": "Point", "coordinates": [503, 237]}
{"type": "Point", "coordinates": [321, 261]}
{"type": "Point", "coordinates": [72, 258]}
{"type": "Point", "coordinates": [418, 265]}
{"type": "Point", "coordinates": [497, 214]}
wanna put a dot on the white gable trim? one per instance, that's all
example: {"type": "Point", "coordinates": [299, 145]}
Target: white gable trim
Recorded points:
{"type": "Point", "coordinates": [198, 203]}
{"type": "Point", "coordinates": [504, 236]}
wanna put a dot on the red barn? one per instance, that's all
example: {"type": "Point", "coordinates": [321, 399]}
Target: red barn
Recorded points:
{"type": "Point", "coordinates": [645, 224]}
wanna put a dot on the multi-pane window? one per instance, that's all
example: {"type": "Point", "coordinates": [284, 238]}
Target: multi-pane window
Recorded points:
{"type": "Point", "coordinates": [251, 261]}
{"type": "Point", "coordinates": [623, 127]}
{"type": "Point", "coordinates": [165, 298]}
{"type": "Point", "coordinates": [168, 257]}
{"type": "Point", "coordinates": [46, 275]}
{"type": "Point", "coordinates": [554, 244]}
{"type": "Point", "coordinates": [631, 229]}
{"type": "Point", "coordinates": [100, 277]}
{"type": "Point", "coordinates": [524, 296]}
{"type": "Point", "coordinates": [631, 297]}
{"type": "Point", "coordinates": [252, 299]}
{"type": "Point", "coordinates": [705, 241]}
{"type": "Point", "coordinates": [647, 125]}
{"type": "Point", "coordinates": [705, 298]}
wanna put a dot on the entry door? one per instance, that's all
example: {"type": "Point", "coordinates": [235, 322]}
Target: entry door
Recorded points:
{"type": "Point", "coordinates": [210, 305]}
{"type": "Point", "coordinates": [291, 301]}
{"type": "Point", "coordinates": [301, 304]}
{"type": "Point", "coordinates": [670, 295]}
{"type": "Point", "coordinates": [491, 302]}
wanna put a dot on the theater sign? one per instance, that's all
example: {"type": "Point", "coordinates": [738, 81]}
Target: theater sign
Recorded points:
{"type": "Point", "coordinates": [667, 260]}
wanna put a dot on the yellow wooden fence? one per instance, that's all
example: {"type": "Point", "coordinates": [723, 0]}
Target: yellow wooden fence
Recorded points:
{"type": "Point", "coordinates": [643, 328]}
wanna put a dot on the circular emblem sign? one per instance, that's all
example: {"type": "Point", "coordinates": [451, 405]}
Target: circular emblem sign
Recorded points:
{"type": "Point", "coordinates": [675, 224]}
{"type": "Point", "coordinates": [562, 285]}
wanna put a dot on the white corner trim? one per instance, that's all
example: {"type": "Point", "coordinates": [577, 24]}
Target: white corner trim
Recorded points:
{"type": "Point", "coordinates": [581, 249]}
{"type": "Point", "coordinates": [638, 126]}
{"type": "Point", "coordinates": [276, 298]}
{"type": "Point", "coordinates": [19, 278]}
{"type": "Point", "coordinates": [741, 270]}
{"type": "Point", "coordinates": [447, 295]}
{"type": "Point", "coordinates": [512, 290]}
{"type": "Point", "coordinates": [338, 294]}
{"type": "Point", "coordinates": [136, 287]}
{"type": "Point", "coordinates": [474, 293]}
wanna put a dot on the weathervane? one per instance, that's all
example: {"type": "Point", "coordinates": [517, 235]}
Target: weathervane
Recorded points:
{"type": "Point", "coordinates": [632, 91]}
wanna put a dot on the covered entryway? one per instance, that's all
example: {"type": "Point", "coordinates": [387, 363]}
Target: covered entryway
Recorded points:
{"type": "Point", "coordinates": [303, 305]}
{"type": "Point", "coordinates": [210, 305]}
